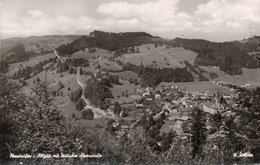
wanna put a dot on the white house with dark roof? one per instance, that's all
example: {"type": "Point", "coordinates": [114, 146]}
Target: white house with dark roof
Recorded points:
{"type": "Point", "coordinates": [210, 107]}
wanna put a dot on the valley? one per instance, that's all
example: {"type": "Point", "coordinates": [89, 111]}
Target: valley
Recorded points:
{"type": "Point", "coordinates": [134, 84]}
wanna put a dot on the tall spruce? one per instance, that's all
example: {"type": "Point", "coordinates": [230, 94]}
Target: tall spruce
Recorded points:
{"type": "Point", "coordinates": [48, 130]}
{"type": "Point", "coordinates": [11, 102]}
{"type": "Point", "coordinates": [199, 129]}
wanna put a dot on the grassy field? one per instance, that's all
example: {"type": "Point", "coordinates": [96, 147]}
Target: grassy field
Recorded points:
{"type": "Point", "coordinates": [33, 61]}
{"type": "Point", "coordinates": [110, 65]}
{"type": "Point", "coordinates": [37, 43]}
{"type": "Point", "coordinates": [117, 90]}
{"type": "Point", "coordinates": [100, 56]}
{"type": "Point", "coordinates": [160, 56]}
{"type": "Point", "coordinates": [91, 56]}
{"type": "Point", "coordinates": [126, 75]}
{"type": "Point", "coordinates": [32, 81]}
{"type": "Point", "coordinates": [68, 109]}
{"type": "Point", "coordinates": [249, 76]}
{"type": "Point", "coordinates": [202, 86]}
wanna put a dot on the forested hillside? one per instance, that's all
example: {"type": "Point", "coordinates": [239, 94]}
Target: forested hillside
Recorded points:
{"type": "Point", "coordinates": [17, 54]}
{"type": "Point", "coordinates": [108, 41]}
{"type": "Point", "coordinates": [231, 57]}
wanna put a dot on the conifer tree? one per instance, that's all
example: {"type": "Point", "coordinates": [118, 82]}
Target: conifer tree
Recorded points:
{"type": "Point", "coordinates": [11, 102]}
{"type": "Point", "coordinates": [199, 129]}
{"type": "Point", "coordinates": [47, 128]}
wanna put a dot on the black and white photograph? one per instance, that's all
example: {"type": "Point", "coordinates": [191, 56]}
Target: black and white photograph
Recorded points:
{"type": "Point", "coordinates": [149, 82]}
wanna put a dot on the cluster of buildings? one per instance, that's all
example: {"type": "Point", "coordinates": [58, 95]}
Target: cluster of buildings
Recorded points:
{"type": "Point", "coordinates": [178, 104]}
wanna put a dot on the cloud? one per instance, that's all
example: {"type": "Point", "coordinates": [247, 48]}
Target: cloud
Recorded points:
{"type": "Point", "coordinates": [227, 14]}
{"type": "Point", "coordinates": [35, 13]}
{"type": "Point", "coordinates": [213, 19]}
{"type": "Point", "coordinates": [160, 15]}
{"type": "Point", "coordinates": [38, 23]}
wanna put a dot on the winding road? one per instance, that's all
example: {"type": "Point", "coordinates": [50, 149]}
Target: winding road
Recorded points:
{"type": "Point", "coordinates": [98, 113]}
{"type": "Point", "coordinates": [56, 54]}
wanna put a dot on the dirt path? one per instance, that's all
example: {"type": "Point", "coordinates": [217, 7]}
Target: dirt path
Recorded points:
{"type": "Point", "coordinates": [56, 54]}
{"type": "Point", "coordinates": [98, 112]}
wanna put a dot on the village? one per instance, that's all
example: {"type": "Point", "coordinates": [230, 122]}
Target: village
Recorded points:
{"type": "Point", "coordinates": [176, 105]}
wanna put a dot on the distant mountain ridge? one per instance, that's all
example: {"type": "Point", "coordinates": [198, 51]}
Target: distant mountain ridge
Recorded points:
{"type": "Point", "coordinates": [230, 57]}
{"type": "Point", "coordinates": [12, 49]}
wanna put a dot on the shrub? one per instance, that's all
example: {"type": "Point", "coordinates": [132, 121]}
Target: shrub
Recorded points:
{"type": "Point", "coordinates": [88, 114]}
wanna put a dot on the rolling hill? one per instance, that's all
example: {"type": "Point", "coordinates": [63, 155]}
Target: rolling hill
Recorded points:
{"type": "Point", "coordinates": [111, 51]}
{"type": "Point", "coordinates": [230, 57]}
{"type": "Point", "coordinates": [20, 49]}
{"type": "Point", "coordinates": [108, 41]}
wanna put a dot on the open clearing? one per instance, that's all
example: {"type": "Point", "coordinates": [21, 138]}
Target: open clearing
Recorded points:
{"type": "Point", "coordinates": [89, 56]}
{"type": "Point", "coordinates": [201, 86]}
{"type": "Point", "coordinates": [159, 57]}
{"type": "Point", "coordinates": [109, 65]}
{"type": "Point", "coordinates": [249, 76]}
{"type": "Point", "coordinates": [126, 87]}
{"type": "Point", "coordinates": [31, 62]}
{"type": "Point", "coordinates": [126, 75]}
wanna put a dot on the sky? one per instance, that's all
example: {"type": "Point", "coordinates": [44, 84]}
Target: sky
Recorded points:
{"type": "Point", "coordinates": [214, 20]}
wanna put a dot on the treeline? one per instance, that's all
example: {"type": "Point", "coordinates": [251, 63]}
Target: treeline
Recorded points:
{"type": "Point", "coordinates": [97, 92]}
{"type": "Point", "coordinates": [192, 68]}
{"type": "Point", "coordinates": [153, 76]}
{"type": "Point", "coordinates": [35, 117]}
{"type": "Point", "coordinates": [106, 40]}
{"type": "Point", "coordinates": [152, 132]}
{"type": "Point", "coordinates": [107, 79]}
{"type": "Point", "coordinates": [29, 71]}
{"type": "Point", "coordinates": [122, 51]}
{"type": "Point", "coordinates": [75, 95]}
{"type": "Point", "coordinates": [3, 66]}
{"type": "Point", "coordinates": [70, 64]}
{"type": "Point", "coordinates": [229, 56]}
{"type": "Point", "coordinates": [249, 113]}
{"type": "Point", "coordinates": [17, 54]}
{"type": "Point", "coordinates": [251, 44]}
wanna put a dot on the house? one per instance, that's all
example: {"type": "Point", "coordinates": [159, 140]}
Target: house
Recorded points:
{"type": "Point", "coordinates": [124, 127]}
{"type": "Point", "coordinates": [130, 118]}
{"type": "Point", "coordinates": [149, 99]}
{"type": "Point", "coordinates": [135, 97]}
{"type": "Point", "coordinates": [184, 118]}
{"type": "Point", "coordinates": [139, 105]}
{"type": "Point", "coordinates": [146, 94]}
{"type": "Point", "coordinates": [148, 89]}
{"type": "Point", "coordinates": [176, 102]}
{"type": "Point", "coordinates": [188, 103]}
{"type": "Point", "coordinates": [157, 96]}
{"type": "Point", "coordinates": [115, 124]}
{"type": "Point", "coordinates": [174, 87]}
{"type": "Point", "coordinates": [169, 107]}
{"type": "Point", "coordinates": [121, 133]}
{"type": "Point", "coordinates": [186, 111]}
{"type": "Point", "coordinates": [246, 86]}
{"type": "Point", "coordinates": [210, 107]}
